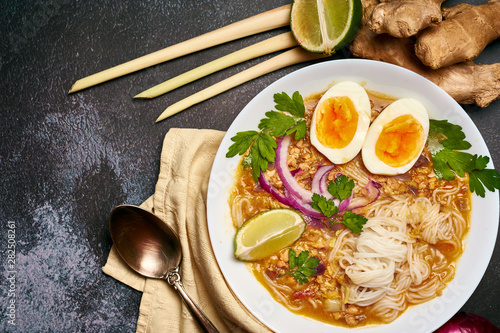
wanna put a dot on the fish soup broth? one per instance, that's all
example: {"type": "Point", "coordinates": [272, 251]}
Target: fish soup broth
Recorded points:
{"type": "Point", "coordinates": [411, 242]}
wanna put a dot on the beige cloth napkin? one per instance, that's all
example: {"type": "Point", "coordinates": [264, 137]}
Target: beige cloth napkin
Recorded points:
{"type": "Point", "coordinates": [180, 200]}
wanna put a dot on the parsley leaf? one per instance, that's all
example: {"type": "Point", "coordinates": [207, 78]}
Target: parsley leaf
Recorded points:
{"type": "Point", "coordinates": [242, 141]}
{"type": "Point", "coordinates": [267, 145]}
{"type": "Point", "coordinates": [353, 221]}
{"type": "Point", "coordinates": [294, 105]}
{"type": "Point", "coordinates": [276, 123]}
{"type": "Point", "coordinates": [301, 266]}
{"type": "Point", "coordinates": [449, 161]}
{"type": "Point", "coordinates": [323, 205]}
{"type": "Point", "coordinates": [300, 129]}
{"type": "Point", "coordinates": [454, 136]}
{"type": "Point", "coordinates": [261, 153]}
{"type": "Point", "coordinates": [445, 141]}
{"type": "Point", "coordinates": [341, 189]}
{"type": "Point", "coordinates": [262, 144]}
{"type": "Point", "coordinates": [479, 162]}
{"type": "Point", "coordinates": [479, 175]}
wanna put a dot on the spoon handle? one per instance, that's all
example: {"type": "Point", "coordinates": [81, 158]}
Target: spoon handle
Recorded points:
{"type": "Point", "coordinates": [174, 279]}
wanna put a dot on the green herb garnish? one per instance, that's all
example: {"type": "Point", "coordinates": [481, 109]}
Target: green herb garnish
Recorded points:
{"type": "Point", "coordinates": [262, 144]}
{"type": "Point", "coordinates": [445, 141]}
{"type": "Point", "coordinates": [301, 266]}
{"type": "Point", "coordinates": [341, 189]}
{"type": "Point", "coordinates": [353, 221]}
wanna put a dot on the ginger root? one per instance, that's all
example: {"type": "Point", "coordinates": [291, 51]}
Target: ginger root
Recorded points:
{"type": "Point", "coordinates": [465, 82]}
{"type": "Point", "coordinates": [405, 18]}
{"type": "Point", "coordinates": [465, 31]}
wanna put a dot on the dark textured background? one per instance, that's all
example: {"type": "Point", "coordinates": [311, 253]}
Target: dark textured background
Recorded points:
{"type": "Point", "coordinates": [67, 160]}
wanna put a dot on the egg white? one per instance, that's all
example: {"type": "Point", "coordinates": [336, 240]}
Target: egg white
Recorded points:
{"type": "Point", "coordinates": [396, 109]}
{"type": "Point", "coordinates": [361, 103]}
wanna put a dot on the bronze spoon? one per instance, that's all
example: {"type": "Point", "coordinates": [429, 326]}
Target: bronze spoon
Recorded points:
{"type": "Point", "coordinates": [151, 248]}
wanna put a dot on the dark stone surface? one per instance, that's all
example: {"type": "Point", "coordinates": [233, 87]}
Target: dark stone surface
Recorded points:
{"type": "Point", "coordinates": [67, 160]}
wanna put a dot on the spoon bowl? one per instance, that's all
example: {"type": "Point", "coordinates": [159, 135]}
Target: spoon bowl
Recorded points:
{"type": "Point", "coordinates": [151, 248]}
{"type": "Point", "coordinates": [147, 244]}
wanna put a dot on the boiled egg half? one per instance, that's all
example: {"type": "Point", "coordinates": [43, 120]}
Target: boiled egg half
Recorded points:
{"type": "Point", "coordinates": [340, 121]}
{"type": "Point", "coordinates": [396, 137]}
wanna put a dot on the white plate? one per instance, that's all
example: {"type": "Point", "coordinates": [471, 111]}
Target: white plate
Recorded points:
{"type": "Point", "coordinates": [394, 81]}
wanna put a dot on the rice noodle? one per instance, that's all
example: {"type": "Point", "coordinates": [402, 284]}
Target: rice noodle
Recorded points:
{"type": "Point", "coordinates": [380, 249]}
{"type": "Point", "coordinates": [352, 170]}
{"type": "Point", "coordinates": [313, 302]}
{"type": "Point", "coordinates": [279, 291]}
{"type": "Point", "coordinates": [389, 308]}
{"type": "Point", "coordinates": [237, 209]}
{"type": "Point", "coordinates": [339, 242]}
{"type": "Point", "coordinates": [424, 271]}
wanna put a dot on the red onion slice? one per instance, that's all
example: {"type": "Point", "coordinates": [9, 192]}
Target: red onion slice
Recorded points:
{"type": "Point", "coordinates": [300, 198]}
{"type": "Point", "coordinates": [372, 190]}
{"type": "Point", "coordinates": [344, 205]}
{"type": "Point", "coordinates": [319, 180]}
{"type": "Point", "coordinates": [286, 176]}
{"type": "Point", "coordinates": [323, 187]}
{"type": "Point", "coordinates": [304, 207]}
{"type": "Point", "coordinates": [316, 223]}
{"type": "Point", "coordinates": [264, 183]}
{"type": "Point", "coordinates": [288, 199]}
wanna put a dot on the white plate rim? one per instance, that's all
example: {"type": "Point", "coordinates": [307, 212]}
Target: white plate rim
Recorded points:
{"type": "Point", "coordinates": [382, 77]}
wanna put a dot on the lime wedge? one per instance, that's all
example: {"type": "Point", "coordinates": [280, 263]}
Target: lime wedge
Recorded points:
{"type": "Point", "coordinates": [267, 233]}
{"type": "Point", "coordinates": [325, 26]}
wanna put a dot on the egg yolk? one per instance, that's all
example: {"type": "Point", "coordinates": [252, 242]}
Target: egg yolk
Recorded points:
{"type": "Point", "coordinates": [400, 141]}
{"type": "Point", "coordinates": [336, 122]}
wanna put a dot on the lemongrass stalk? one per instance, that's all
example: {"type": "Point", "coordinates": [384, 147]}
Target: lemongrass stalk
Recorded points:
{"type": "Point", "coordinates": [278, 17]}
{"type": "Point", "coordinates": [288, 58]}
{"type": "Point", "coordinates": [274, 44]}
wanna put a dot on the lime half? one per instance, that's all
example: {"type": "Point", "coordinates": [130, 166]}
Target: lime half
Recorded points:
{"type": "Point", "coordinates": [267, 233]}
{"type": "Point", "coordinates": [325, 26]}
